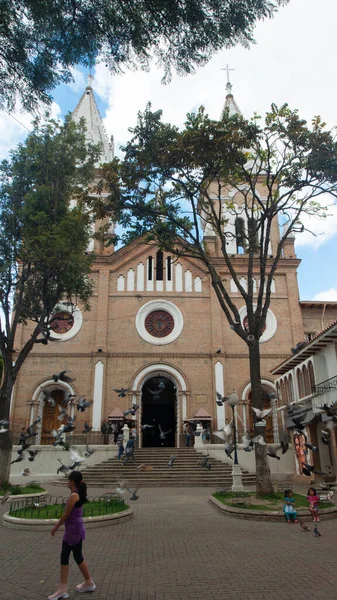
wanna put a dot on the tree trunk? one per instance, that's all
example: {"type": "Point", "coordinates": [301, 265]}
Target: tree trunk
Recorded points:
{"type": "Point", "coordinates": [263, 475]}
{"type": "Point", "coordinates": [6, 441]}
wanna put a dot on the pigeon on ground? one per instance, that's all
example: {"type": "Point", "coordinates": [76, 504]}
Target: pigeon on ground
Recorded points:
{"type": "Point", "coordinates": [82, 404]}
{"type": "Point", "coordinates": [171, 460]}
{"type": "Point", "coordinates": [121, 392]}
{"type": "Point", "coordinates": [205, 462]}
{"type": "Point", "coordinates": [26, 472]}
{"type": "Point", "coordinates": [303, 526]}
{"type": "Point", "coordinates": [316, 532]}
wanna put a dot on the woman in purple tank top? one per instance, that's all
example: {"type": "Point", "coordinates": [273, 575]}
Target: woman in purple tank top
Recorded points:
{"type": "Point", "coordinates": [73, 537]}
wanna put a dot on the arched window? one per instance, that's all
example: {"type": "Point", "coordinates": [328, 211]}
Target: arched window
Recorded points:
{"type": "Point", "coordinates": [159, 266]}
{"type": "Point", "coordinates": [240, 235]}
{"type": "Point", "coordinates": [286, 391]}
{"type": "Point", "coordinates": [253, 232]}
{"type": "Point", "coordinates": [306, 381]}
{"type": "Point", "coordinates": [311, 376]}
{"type": "Point", "coordinates": [300, 383]}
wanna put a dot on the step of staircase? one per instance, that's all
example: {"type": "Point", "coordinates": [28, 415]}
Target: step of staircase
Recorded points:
{"type": "Point", "coordinates": [185, 471]}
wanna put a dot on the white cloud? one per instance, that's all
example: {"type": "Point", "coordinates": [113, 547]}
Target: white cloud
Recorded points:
{"type": "Point", "coordinates": [79, 82]}
{"type": "Point", "coordinates": [323, 229]}
{"type": "Point", "coordinates": [16, 126]}
{"type": "Point", "coordinates": [327, 296]}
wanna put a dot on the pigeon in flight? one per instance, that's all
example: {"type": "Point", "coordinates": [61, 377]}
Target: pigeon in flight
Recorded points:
{"type": "Point", "coordinates": [229, 449]}
{"type": "Point", "coordinates": [48, 398]}
{"type": "Point", "coordinates": [86, 428]}
{"type": "Point", "coordinates": [221, 399]}
{"type": "Point", "coordinates": [121, 392]}
{"type": "Point", "coordinates": [156, 393]}
{"type": "Point", "coordinates": [325, 437]}
{"type": "Point", "coordinates": [224, 433]}
{"type": "Point", "coordinates": [62, 415]}
{"type": "Point", "coordinates": [82, 404]}
{"type": "Point", "coordinates": [260, 416]}
{"type": "Point", "coordinates": [272, 452]}
{"type": "Point", "coordinates": [88, 451]}
{"type": "Point", "coordinates": [132, 411]}
{"type": "Point", "coordinates": [163, 434]}
{"type": "Point", "coordinates": [18, 459]}
{"type": "Point", "coordinates": [63, 468]}
{"type": "Point", "coordinates": [171, 460]}
{"type": "Point", "coordinates": [4, 424]}
{"type": "Point", "coordinates": [75, 458]}
{"type": "Point", "coordinates": [69, 426]}
{"type": "Point", "coordinates": [123, 486]}
{"type": "Point", "coordinates": [32, 455]}
{"type": "Point", "coordinates": [63, 377]}
{"type": "Point", "coordinates": [144, 427]}
{"type": "Point", "coordinates": [68, 399]}
{"type": "Point", "coordinates": [248, 442]}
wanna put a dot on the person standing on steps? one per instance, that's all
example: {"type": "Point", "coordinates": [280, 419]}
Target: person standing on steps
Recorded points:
{"type": "Point", "coordinates": [73, 537]}
{"type": "Point", "coordinates": [120, 444]}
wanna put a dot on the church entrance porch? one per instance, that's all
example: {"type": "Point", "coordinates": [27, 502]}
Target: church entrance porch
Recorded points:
{"type": "Point", "coordinates": [159, 402]}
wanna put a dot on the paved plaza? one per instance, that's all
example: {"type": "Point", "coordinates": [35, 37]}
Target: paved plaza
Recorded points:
{"type": "Point", "coordinates": [178, 546]}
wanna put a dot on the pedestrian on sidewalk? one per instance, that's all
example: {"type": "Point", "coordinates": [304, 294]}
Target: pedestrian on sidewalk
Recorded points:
{"type": "Point", "coordinates": [73, 537]}
{"type": "Point", "coordinates": [289, 507]}
{"type": "Point", "coordinates": [120, 445]}
{"type": "Point", "coordinates": [313, 499]}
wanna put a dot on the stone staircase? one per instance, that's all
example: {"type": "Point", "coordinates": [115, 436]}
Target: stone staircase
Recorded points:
{"type": "Point", "coordinates": [185, 471]}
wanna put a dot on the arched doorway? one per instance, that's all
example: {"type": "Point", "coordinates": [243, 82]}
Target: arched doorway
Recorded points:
{"type": "Point", "coordinates": [50, 416]}
{"type": "Point", "coordinates": [159, 408]}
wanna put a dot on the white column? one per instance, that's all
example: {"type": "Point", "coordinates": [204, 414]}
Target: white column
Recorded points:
{"type": "Point", "coordinates": [184, 406]}
{"type": "Point", "coordinates": [178, 420]}
{"type": "Point", "coordinates": [130, 280]}
{"type": "Point", "coordinates": [219, 386]}
{"type": "Point", "coordinates": [98, 396]}
{"type": "Point", "coordinates": [140, 277]}
{"type": "Point", "coordinates": [198, 438]}
{"type": "Point", "coordinates": [179, 277]}
{"type": "Point", "coordinates": [31, 414]}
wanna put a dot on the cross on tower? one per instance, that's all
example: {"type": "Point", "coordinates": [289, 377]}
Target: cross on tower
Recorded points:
{"type": "Point", "coordinates": [227, 69]}
{"type": "Point", "coordinates": [90, 80]}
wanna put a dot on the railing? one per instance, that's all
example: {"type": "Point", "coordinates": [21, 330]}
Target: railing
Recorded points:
{"type": "Point", "coordinates": [52, 507]}
{"type": "Point", "coordinates": [326, 386]}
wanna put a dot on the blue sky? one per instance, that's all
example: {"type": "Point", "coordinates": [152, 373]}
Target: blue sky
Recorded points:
{"type": "Point", "coordinates": [290, 62]}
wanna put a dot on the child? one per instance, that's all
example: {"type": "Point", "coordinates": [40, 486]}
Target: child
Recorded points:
{"type": "Point", "coordinates": [313, 500]}
{"type": "Point", "coordinates": [289, 507]}
{"type": "Point", "coordinates": [73, 537]}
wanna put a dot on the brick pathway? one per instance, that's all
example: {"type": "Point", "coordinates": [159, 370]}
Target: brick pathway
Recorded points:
{"type": "Point", "coordinates": [178, 547]}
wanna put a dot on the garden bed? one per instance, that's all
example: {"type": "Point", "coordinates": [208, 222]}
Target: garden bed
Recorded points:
{"type": "Point", "coordinates": [269, 508]}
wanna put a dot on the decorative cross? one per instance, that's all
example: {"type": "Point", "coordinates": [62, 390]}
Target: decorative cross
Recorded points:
{"type": "Point", "coordinates": [227, 69]}
{"type": "Point", "coordinates": [90, 80]}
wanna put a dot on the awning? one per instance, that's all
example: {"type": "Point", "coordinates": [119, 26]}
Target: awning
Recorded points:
{"type": "Point", "coordinates": [116, 415]}
{"type": "Point", "coordinates": [202, 415]}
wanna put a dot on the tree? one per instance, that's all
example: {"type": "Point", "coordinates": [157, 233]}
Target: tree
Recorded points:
{"type": "Point", "coordinates": [43, 240]}
{"type": "Point", "coordinates": [41, 39]}
{"type": "Point", "coordinates": [174, 187]}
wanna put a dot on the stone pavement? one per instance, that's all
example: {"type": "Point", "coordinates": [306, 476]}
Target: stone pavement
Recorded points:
{"type": "Point", "coordinates": [177, 546]}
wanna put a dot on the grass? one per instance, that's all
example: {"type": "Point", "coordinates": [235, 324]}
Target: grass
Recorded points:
{"type": "Point", "coordinates": [16, 490]}
{"type": "Point", "coordinates": [55, 511]}
{"type": "Point", "coordinates": [275, 501]}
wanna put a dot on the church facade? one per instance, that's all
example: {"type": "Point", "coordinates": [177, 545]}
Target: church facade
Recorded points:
{"type": "Point", "coordinates": [156, 329]}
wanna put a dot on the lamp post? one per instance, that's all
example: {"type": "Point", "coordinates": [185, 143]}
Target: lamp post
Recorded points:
{"type": "Point", "coordinates": [237, 486]}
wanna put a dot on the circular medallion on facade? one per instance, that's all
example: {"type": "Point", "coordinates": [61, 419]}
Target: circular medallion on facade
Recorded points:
{"type": "Point", "coordinates": [270, 327]}
{"type": "Point", "coordinates": [62, 322]}
{"type": "Point", "coordinates": [159, 323]}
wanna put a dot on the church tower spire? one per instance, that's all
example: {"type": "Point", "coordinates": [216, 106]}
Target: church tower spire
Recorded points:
{"type": "Point", "coordinates": [96, 134]}
{"type": "Point", "coordinates": [230, 103]}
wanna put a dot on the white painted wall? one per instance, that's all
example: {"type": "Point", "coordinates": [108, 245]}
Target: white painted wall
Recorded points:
{"type": "Point", "coordinates": [98, 396]}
